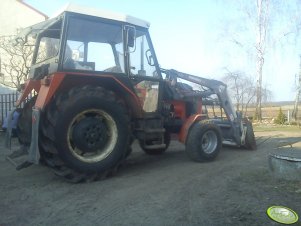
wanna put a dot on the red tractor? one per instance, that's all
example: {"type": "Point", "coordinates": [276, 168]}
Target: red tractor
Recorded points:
{"type": "Point", "coordinates": [98, 87]}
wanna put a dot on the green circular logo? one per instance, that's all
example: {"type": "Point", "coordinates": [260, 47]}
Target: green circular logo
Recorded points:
{"type": "Point", "coordinates": [282, 214]}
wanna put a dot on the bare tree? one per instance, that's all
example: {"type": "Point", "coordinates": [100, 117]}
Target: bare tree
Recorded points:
{"type": "Point", "coordinates": [250, 96]}
{"type": "Point", "coordinates": [262, 22]}
{"type": "Point", "coordinates": [298, 92]}
{"type": "Point", "coordinates": [15, 61]}
{"type": "Point", "coordinates": [242, 89]}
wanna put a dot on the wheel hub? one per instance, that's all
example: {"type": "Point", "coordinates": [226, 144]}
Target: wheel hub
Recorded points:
{"type": "Point", "coordinates": [90, 134]}
{"type": "Point", "coordinates": [209, 142]}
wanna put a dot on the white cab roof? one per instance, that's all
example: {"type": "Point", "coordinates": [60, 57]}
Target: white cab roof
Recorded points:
{"type": "Point", "coordinates": [104, 14]}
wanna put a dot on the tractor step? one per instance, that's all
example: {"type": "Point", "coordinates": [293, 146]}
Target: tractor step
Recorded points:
{"type": "Point", "coordinates": [230, 143]}
{"type": "Point", "coordinates": [158, 130]}
{"type": "Point", "coordinates": [154, 130]}
{"type": "Point", "coordinates": [18, 154]}
{"type": "Point", "coordinates": [155, 146]}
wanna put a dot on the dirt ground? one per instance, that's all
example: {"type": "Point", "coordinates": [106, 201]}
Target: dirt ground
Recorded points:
{"type": "Point", "coordinates": [170, 189]}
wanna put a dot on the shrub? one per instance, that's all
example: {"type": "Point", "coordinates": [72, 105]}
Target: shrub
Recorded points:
{"type": "Point", "coordinates": [280, 117]}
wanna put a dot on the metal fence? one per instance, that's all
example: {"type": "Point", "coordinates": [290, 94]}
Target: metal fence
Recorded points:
{"type": "Point", "coordinates": [7, 103]}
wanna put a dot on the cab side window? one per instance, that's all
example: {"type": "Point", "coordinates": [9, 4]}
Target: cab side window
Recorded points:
{"type": "Point", "coordinates": [140, 57]}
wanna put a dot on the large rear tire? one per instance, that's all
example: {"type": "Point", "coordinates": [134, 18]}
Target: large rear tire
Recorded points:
{"type": "Point", "coordinates": [204, 141]}
{"type": "Point", "coordinates": [85, 134]}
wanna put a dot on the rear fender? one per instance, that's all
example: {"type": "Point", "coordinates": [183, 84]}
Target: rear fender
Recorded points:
{"type": "Point", "coordinates": [49, 86]}
{"type": "Point", "coordinates": [187, 125]}
{"type": "Point", "coordinates": [120, 85]}
{"type": "Point", "coordinates": [29, 86]}
{"type": "Point", "coordinates": [45, 88]}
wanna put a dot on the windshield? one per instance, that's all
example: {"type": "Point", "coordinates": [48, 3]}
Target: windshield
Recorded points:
{"type": "Point", "coordinates": [94, 45]}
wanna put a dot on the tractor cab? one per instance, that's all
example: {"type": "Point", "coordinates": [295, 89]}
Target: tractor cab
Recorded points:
{"type": "Point", "coordinates": [84, 42]}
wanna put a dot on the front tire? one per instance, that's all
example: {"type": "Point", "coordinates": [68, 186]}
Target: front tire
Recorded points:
{"type": "Point", "coordinates": [204, 141]}
{"type": "Point", "coordinates": [88, 131]}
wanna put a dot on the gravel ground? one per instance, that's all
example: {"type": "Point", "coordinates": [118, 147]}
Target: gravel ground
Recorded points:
{"type": "Point", "coordinates": [235, 189]}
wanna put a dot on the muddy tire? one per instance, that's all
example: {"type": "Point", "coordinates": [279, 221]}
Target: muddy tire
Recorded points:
{"type": "Point", "coordinates": [158, 151]}
{"type": "Point", "coordinates": [130, 149]}
{"type": "Point", "coordinates": [24, 124]}
{"type": "Point", "coordinates": [250, 142]}
{"type": "Point", "coordinates": [85, 134]}
{"type": "Point", "coordinates": [204, 141]}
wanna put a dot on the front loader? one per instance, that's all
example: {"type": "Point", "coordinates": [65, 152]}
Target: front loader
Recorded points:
{"type": "Point", "coordinates": [97, 86]}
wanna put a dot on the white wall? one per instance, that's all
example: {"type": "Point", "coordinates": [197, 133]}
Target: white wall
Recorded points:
{"type": "Point", "coordinates": [15, 15]}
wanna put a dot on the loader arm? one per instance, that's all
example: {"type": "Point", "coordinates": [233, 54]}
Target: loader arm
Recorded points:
{"type": "Point", "coordinates": [220, 89]}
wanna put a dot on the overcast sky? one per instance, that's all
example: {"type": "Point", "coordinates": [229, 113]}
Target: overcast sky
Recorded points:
{"type": "Point", "coordinates": [190, 36]}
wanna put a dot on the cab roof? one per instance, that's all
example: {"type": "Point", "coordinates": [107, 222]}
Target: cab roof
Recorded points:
{"type": "Point", "coordinates": [104, 14]}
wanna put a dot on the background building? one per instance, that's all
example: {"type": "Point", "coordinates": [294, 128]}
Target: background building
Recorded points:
{"type": "Point", "coordinates": [15, 15]}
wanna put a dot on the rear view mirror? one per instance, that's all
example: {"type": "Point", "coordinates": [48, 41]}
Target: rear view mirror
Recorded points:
{"type": "Point", "coordinates": [149, 57]}
{"type": "Point", "coordinates": [131, 36]}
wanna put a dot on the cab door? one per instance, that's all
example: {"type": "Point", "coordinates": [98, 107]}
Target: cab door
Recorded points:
{"type": "Point", "coordinates": [143, 69]}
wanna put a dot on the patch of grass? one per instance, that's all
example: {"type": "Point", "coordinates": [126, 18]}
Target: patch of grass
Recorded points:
{"type": "Point", "coordinates": [287, 128]}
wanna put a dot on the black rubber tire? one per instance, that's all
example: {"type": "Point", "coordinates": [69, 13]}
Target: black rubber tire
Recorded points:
{"type": "Point", "coordinates": [158, 151]}
{"type": "Point", "coordinates": [204, 141]}
{"type": "Point", "coordinates": [130, 150]}
{"type": "Point", "coordinates": [250, 142]}
{"type": "Point", "coordinates": [64, 114]}
{"type": "Point", "coordinates": [24, 124]}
